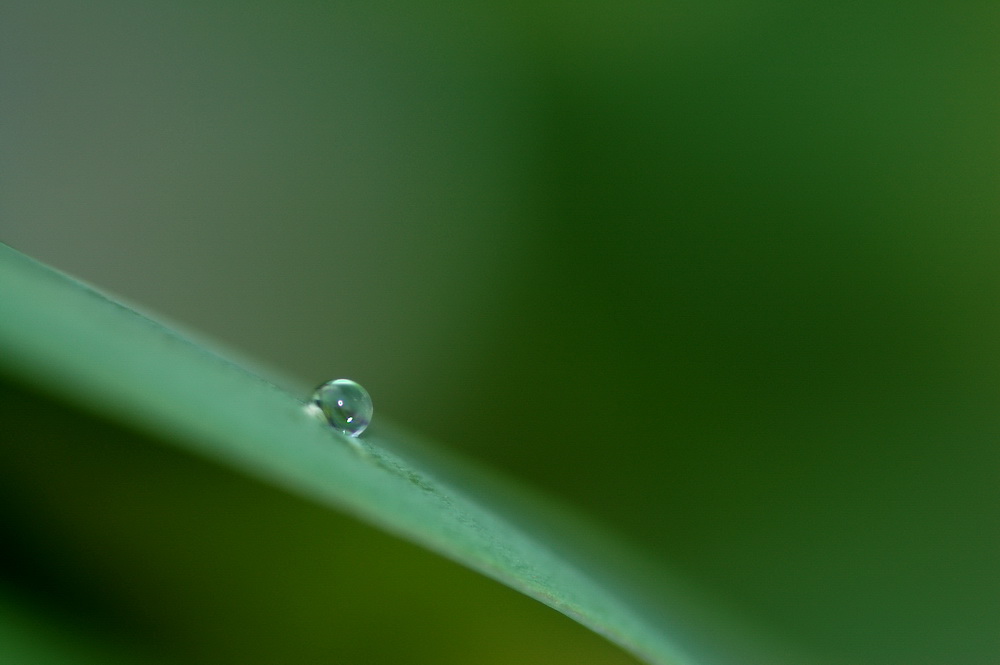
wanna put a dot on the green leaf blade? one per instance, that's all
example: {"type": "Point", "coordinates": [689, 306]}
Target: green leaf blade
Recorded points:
{"type": "Point", "coordinates": [72, 341]}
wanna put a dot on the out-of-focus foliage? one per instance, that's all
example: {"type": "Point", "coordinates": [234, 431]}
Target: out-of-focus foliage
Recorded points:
{"type": "Point", "coordinates": [756, 241]}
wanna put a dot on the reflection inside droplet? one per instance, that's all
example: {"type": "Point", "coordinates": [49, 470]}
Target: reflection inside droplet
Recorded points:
{"type": "Point", "coordinates": [344, 404]}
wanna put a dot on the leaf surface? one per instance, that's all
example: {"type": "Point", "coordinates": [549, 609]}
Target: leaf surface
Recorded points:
{"type": "Point", "coordinates": [82, 346]}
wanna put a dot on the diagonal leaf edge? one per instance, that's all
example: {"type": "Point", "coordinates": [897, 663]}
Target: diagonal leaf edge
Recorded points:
{"type": "Point", "coordinates": [69, 339]}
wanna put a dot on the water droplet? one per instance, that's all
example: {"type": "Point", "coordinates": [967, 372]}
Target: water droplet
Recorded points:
{"type": "Point", "coordinates": [344, 404]}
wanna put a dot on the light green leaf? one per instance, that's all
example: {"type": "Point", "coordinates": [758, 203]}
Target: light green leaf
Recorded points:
{"type": "Point", "coordinates": [84, 347]}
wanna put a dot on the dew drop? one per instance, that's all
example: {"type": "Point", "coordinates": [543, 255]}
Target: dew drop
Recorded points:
{"type": "Point", "coordinates": [344, 404]}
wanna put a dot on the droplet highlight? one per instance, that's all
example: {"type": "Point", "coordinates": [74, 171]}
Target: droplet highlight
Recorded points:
{"type": "Point", "coordinates": [344, 404]}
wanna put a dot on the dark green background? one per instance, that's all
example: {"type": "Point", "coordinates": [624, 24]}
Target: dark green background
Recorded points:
{"type": "Point", "coordinates": [724, 275]}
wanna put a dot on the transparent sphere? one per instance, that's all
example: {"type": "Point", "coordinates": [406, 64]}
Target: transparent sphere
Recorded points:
{"type": "Point", "coordinates": [345, 405]}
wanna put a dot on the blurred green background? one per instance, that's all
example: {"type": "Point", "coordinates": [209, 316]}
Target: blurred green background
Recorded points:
{"type": "Point", "coordinates": [724, 275]}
